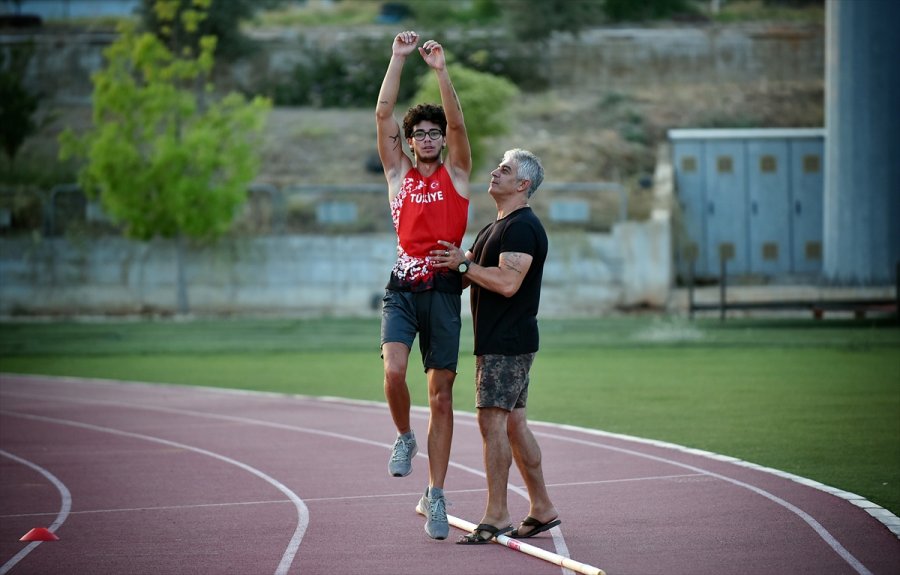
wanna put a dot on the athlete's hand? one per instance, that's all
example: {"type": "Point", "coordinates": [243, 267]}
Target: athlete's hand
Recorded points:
{"type": "Point", "coordinates": [404, 43]}
{"type": "Point", "coordinates": [433, 54]}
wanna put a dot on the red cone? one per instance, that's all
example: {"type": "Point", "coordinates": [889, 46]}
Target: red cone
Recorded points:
{"type": "Point", "coordinates": [39, 534]}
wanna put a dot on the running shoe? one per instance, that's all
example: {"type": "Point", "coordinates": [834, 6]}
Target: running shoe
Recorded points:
{"type": "Point", "coordinates": [435, 511]}
{"type": "Point", "coordinates": [400, 464]}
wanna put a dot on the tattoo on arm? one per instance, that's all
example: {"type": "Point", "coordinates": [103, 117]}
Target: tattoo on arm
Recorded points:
{"type": "Point", "coordinates": [513, 261]}
{"type": "Point", "coordinates": [396, 139]}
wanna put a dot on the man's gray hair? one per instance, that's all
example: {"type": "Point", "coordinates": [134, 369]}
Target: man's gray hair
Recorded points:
{"type": "Point", "coordinates": [528, 167]}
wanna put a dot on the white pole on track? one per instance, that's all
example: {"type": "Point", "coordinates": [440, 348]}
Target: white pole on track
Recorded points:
{"type": "Point", "coordinates": [517, 545]}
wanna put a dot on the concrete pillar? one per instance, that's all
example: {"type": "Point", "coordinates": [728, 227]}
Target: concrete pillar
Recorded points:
{"type": "Point", "coordinates": [862, 184]}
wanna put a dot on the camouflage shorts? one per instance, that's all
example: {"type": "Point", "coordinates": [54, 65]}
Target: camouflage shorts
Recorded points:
{"type": "Point", "coordinates": [502, 380]}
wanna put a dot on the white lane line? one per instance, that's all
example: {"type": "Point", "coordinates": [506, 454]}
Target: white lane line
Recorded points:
{"type": "Point", "coordinates": [64, 508]}
{"type": "Point", "coordinates": [627, 480]}
{"type": "Point", "coordinates": [880, 514]}
{"type": "Point", "coordinates": [817, 527]}
{"type": "Point", "coordinates": [308, 500]}
{"type": "Point", "coordinates": [302, 512]}
{"type": "Point", "coordinates": [556, 533]}
{"type": "Point", "coordinates": [823, 533]}
{"type": "Point", "coordinates": [158, 508]}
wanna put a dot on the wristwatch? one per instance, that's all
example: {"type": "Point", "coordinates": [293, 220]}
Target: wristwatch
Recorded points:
{"type": "Point", "coordinates": [464, 267]}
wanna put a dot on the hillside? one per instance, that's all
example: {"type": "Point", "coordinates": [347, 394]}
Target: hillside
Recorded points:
{"type": "Point", "coordinates": [581, 137]}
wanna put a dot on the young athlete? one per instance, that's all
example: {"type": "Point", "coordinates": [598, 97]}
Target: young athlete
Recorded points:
{"type": "Point", "coordinates": [429, 200]}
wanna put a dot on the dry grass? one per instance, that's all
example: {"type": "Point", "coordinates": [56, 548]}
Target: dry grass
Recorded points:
{"type": "Point", "coordinates": [581, 137]}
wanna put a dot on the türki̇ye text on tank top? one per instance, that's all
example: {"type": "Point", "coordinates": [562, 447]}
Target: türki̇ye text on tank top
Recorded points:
{"type": "Point", "coordinates": [424, 211]}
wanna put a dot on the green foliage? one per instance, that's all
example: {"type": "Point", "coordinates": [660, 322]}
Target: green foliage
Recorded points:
{"type": "Point", "coordinates": [485, 101]}
{"type": "Point", "coordinates": [442, 14]}
{"type": "Point", "coordinates": [538, 19]}
{"type": "Point", "coordinates": [17, 104]}
{"type": "Point", "coordinates": [629, 10]}
{"type": "Point", "coordinates": [806, 11]}
{"type": "Point", "coordinates": [222, 19]}
{"type": "Point", "coordinates": [345, 76]}
{"type": "Point", "coordinates": [165, 155]}
{"type": "Point", "coordinates": [350, 74]}
{"type": "Point", "coordinates": [496, 54]}
{"type": "Point", "coordinates": [345, 13]}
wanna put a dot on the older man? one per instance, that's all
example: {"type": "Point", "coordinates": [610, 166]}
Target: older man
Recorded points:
{"type": "Point", "coordinates": [504, 268]}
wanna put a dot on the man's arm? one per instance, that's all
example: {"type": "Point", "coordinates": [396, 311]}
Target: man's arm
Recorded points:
{"type": "Point", "coordinates": [505, 279]}
{"type": "Point", "coordinates": [390, 139]}
{"type": "Point", "coordinates": [459, 152]}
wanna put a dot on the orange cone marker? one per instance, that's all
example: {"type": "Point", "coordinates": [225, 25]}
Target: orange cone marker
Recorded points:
{"type": "Point", "coordinates": [39, 534]}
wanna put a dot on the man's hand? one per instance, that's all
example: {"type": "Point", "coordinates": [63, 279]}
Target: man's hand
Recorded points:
{"type": "Point", "coordinates": [433, 54]}
{"type": "Point", "coordinates": [450, 257]}
{"type": "Point", "coordinates": [405, 43]}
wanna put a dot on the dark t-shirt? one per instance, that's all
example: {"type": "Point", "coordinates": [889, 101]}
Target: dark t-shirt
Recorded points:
{"type": "Point", "coordinates": [508, 326]}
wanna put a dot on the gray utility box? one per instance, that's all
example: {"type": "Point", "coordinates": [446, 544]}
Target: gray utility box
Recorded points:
{"type": "Point", "coordinates": [753, 197]}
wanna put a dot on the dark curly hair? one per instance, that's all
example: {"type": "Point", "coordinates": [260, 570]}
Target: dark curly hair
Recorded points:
{"type": "Point", "coordinates": [423, 112]}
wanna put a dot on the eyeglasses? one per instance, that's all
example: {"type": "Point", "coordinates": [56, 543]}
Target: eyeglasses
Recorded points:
{"type": "Point", "coordinates": [433, 134]}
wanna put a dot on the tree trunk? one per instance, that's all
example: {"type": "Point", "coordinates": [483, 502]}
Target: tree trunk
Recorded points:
{"type": "Point", "coordinates": [181, 280]}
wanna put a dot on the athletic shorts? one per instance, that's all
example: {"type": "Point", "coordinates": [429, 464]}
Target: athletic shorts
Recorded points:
{"type": "Point", "coordinates": [502, 380]}
{"type": "Point", "coordinates": [433, 315]}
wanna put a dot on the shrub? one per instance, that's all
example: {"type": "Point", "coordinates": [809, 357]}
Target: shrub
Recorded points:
{"type": "Point", "coordinates": [485, 101]}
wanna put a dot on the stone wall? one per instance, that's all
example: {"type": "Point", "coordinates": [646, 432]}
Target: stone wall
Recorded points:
{"type": "Point", "coordinates": [611, 58]}
{"type": "Point", "coordinates": [586, 274]}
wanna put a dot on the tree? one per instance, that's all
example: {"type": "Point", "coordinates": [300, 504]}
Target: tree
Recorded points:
{"type": "Point", "coordinates": [485, 100]}
{"type": "Point", "coordinates": [223, 20]}
{"type": "Point", "coordinates": [165, 156]}
{"type": "Point", "coordinates": [17, 104]}
{"type": "Point", "coordinates": [538, 19]}
{"type": "Point", "coordinates": [627, 10]}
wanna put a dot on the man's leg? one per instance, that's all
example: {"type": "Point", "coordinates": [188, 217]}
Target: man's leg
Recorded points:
{"type": "Point", "coordinates": [440, 425]}
{"type": "Point", "coordinates": [396, 391]}
{"type": "Point", "coordinates": [440, 436]}
{"type": "Point", "coordinates": [492, 421]}
{"type": "Point", "coordinates": [527, 454]}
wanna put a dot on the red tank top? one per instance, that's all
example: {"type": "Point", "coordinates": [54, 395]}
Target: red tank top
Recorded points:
{"type": "Point", "coordinates": [424, 211]}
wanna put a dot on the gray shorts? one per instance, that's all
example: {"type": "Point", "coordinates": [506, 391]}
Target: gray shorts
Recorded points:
{"type": "Point", "coordinates": [433, 315]}
{"type": "Point", "coordinates": [502, 380]}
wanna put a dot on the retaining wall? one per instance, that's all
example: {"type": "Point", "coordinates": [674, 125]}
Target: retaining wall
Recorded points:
{"type": "Point", "coordinates": [586, 274]}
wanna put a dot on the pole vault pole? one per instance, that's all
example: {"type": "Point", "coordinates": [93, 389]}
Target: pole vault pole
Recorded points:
{"type": "Point", "coordinates": [517, 545]}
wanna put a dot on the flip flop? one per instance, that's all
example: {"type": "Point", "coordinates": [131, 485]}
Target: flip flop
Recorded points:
{"type": "Point", "coordinates": [535, 525]}
{"type": "Point", "coordinates": [475, 538]}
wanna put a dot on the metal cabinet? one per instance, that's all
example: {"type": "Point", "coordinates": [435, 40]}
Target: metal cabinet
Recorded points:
{"type": "Point", "coordinates": [751, 197]}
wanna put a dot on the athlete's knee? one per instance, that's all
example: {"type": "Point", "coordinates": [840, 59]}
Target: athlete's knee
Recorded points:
{"type": "Point", "coordinates": [441, 400]}
{"type": "Point", "coordinates": [440, 390]}
{"type": "Point", "coordinates": [394, 374]}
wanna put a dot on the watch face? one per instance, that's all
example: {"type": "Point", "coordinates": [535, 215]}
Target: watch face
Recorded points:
{"type": "Point", "coordinates": [463, 267]}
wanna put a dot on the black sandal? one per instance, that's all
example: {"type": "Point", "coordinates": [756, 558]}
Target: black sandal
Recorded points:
{"type": "Point", "coordinates": [475, 538]}
{"type": "Point", "coordinates": [536, 526]}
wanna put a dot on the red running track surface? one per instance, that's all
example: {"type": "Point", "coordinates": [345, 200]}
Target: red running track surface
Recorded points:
{"type": "Point", "coordinates": [157, 479]}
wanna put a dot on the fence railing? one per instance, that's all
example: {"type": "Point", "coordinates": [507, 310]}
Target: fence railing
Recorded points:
{"type": "Point", "coordinates": [323, 209]}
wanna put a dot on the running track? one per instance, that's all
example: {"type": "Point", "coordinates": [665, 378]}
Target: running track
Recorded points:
{"type": "Point", "coordinates": [138, 478]}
